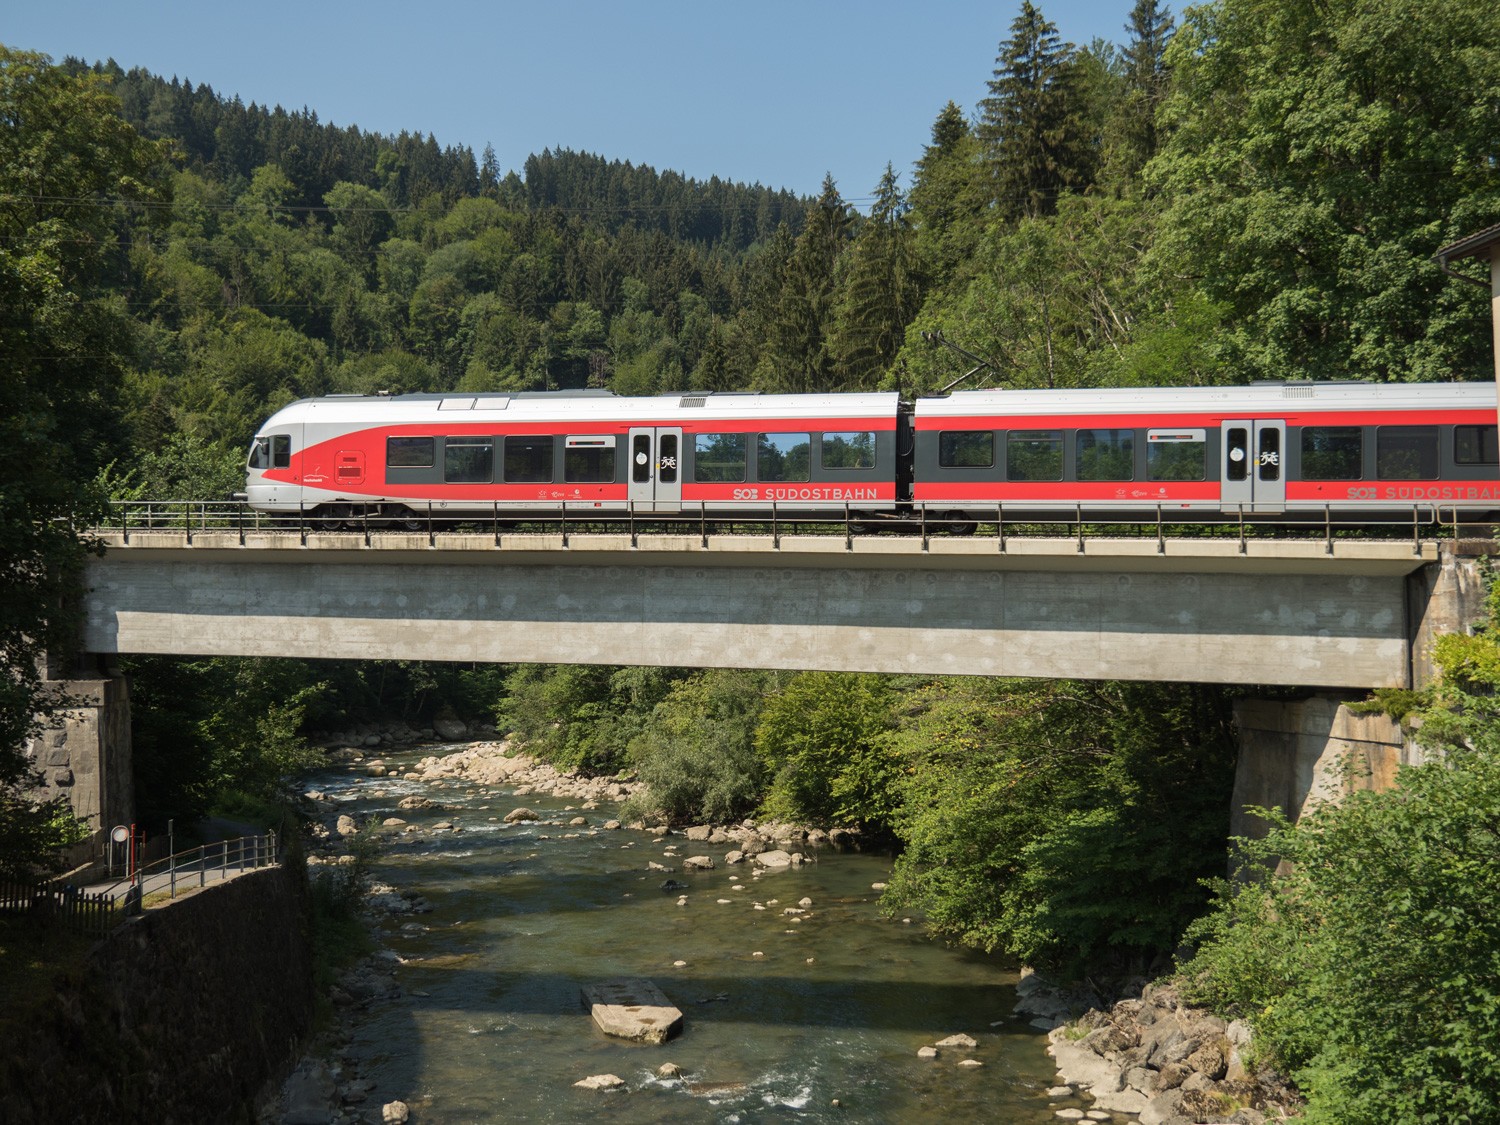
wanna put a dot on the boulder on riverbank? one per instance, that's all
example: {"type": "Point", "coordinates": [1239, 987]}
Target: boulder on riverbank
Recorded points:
{"type": "Point", "coordinates": [501, 764]}
{"type": "Point", "coordinates": [1167, 1061]}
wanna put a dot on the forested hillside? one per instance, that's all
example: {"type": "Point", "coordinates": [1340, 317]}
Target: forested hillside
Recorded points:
{"type": "Point", "coordinates": [1252, 190]}
{"type": "Point", "coordinates": [1254, 194]}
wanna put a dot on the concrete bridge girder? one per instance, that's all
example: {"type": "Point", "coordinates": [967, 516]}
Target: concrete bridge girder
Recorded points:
{"type": "Point", "coordinates": [1286, 614]}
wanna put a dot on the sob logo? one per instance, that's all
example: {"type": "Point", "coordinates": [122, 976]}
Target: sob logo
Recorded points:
{"type": "Point", "coordinates": [1361, 494]}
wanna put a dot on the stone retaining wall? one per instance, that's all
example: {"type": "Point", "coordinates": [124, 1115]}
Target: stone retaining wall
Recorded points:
{"type": "Point", "coordinates": [180, 1016]}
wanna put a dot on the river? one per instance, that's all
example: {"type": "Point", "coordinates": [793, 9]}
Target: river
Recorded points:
{"type": "Point", "coordinates": [814, 1017]}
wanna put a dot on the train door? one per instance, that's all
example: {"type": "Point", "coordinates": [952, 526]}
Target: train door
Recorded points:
{"type": "Point", "coordinates": [656, 468]}
{"type": "Point", "coordinates": [1253, 464]}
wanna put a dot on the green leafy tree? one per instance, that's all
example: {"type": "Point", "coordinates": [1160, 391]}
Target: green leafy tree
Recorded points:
{"type": "Point", "coordinates": [581, 717]}
{"type": "Point", "coordinates": [208, 731]}
{"type": "Point", "coordinates": [1364, 947]}
{"type": "Point", "coordinates": [697, 758]}
{"type": "Point", "coordinates": [70, 172]}
{"type": "Point", "coordinates": [823, 741]}
{"type": "Point", "coordinates": [1315, 156]}
{"type": "Point", "coordinates": [183, 467]}
{"type": "Point", "coordinates": [1370, 966]}
{"type": "Point", "coordinates": [1066, 824]}
{"type": "Point", "coordinates": [361, 224]}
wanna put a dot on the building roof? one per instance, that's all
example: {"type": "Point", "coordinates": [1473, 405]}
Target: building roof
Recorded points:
{"type": "Point", "coordinates": [1480, 244]}
{"type": "Point", "coordinates": [1472, 246]}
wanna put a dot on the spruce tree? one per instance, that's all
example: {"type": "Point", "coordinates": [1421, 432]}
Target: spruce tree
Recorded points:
{"type": "Point", "coordinates": [1033, 124]}
{"type": "Point", "coordinates": [797, 356]}
{"type": "Point", "coordinates": [948, 196]}
{"type": "Point", "coordinates": [1146, 77]}
{"type": "Point", "coordinates": [879, 290]}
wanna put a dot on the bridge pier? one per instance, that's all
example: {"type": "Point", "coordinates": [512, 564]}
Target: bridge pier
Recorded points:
{"type": "Point", "coordinates": [1446, 596]}
{"type": "Point", "coordinates": [1297, 754]}
{"type": "Point", "coordinates": [85, 754]}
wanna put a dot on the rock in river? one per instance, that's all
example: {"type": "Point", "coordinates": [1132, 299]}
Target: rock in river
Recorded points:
{"type": "Point", "coordinates": [632, 1008]}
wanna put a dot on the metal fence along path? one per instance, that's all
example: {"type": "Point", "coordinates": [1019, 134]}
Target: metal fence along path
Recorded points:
{"type": "Point", "coordinates": [96, 908]}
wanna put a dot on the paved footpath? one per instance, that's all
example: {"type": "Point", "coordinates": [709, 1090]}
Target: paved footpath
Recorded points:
{"type": "Point", "coordinates": [201, 867]}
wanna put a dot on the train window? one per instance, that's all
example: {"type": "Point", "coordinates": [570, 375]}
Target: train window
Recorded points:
{"type": "Point", "coordinates": [1268, 459]}
{"type": "Point", "coordinates": [274, 452]}
{"type": "Point", "coordinates": [966, 449]}
{"type": "Point", "coordinates": [848, 451]}
{"type": "Point", "coordinates": [719, 457]}
{"type": "Point", "coordinates": [667, 466]}
{"type": "Point", "coordinates": [640, 458]}
{"type": "Point", "coordinates": [1034, 455]}
{"type": "Point", "coordinates": [409, 452]}
{"type": "Point", "coordinates": [528, 460]}
{"type": "Point", "coordinates": [782, 456]}
{"type": "Point", "coordinates": [589, 460]}
{"type": "Point", "coordinates": [1475, 445]}
{"type": "Point", "coordinates": [468, 460]}
{"type": "Point", "coordinates": [1237, 454]}
{"type": "Point", "coordinates": [1105, 455]}
{"type": "Point", "coordinates": [1332, 452]}
{"type": "Point", "coordinates": [1406, 452]}
{"type": "Point", "coordinates": [1176, 455]}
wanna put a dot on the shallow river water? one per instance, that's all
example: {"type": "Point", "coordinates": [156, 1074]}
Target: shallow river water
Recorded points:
{"type": "Point", "coordinates": [817, 1019]}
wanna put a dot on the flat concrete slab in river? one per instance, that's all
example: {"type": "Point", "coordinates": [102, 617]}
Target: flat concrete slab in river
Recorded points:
{"type": "Point", "coordinates": [632, 1008]}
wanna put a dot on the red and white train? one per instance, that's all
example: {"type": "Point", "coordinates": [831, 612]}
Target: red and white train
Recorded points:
{"type": "Point", "coordinates": [1294, 449]}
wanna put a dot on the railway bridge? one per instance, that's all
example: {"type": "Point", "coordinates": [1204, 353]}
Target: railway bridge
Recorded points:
{"type": "Point", "coordinates": [1340, 615]}
{"type": "Point", "coordinates": [1312, 612]}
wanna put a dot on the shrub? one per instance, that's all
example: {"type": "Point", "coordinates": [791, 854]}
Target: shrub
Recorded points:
{"type": "Point", "coordinates": [697, 759]}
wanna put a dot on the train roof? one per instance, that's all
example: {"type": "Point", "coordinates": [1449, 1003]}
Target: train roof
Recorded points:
{"type": "Point", "coordinates": [1257, 398]}
{"type": "Point", "coordinates": [576, 406]}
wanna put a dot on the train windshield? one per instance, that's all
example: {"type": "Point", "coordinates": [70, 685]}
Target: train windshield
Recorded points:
{"type": "Point", "coordinates": [273, 451]}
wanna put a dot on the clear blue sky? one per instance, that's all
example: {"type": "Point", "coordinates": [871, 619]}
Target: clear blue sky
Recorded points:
{"type": "Point", "coordinates": [779, 92]}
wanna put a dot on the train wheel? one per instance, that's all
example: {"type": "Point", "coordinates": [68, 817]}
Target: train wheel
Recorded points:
{"type": "Point", "coordinates": [958, 523]}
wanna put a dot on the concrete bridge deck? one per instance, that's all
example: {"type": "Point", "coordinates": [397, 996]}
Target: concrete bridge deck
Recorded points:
{"type": "Point", "coordinates": [1307, 612]}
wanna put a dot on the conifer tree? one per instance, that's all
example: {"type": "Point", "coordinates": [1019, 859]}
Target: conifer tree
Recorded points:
{"type": "Point", "coordinates": [797, 355]}
{"type": "Point", "coordinates": [879, 290]}
{"type": "Point", "coordinates": [1033, 124]}
{"type": "Point", "coordinates": [948, 196]}
{"type": "Point", "coordinates": [1146, 77]}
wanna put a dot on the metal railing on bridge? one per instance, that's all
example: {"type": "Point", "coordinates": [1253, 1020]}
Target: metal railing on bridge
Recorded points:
{"type": "Point", "coordinates": [97, 908]}
{"type": "Point", "coordinates": [197, 517]}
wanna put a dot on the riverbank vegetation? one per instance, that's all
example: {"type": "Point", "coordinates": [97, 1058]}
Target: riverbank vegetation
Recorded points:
{"type": "Point", "coordinates": [1369, 962]}
{"type": "Point", "coordinates": [1067, 824]}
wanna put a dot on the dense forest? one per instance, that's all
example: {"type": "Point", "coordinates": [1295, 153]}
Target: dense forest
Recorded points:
{"type": "Point", "coordinates": [1252, 192]}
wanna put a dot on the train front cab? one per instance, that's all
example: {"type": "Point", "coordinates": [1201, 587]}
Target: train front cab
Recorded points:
{"type": "Point", "coordinates": [269, 482]}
